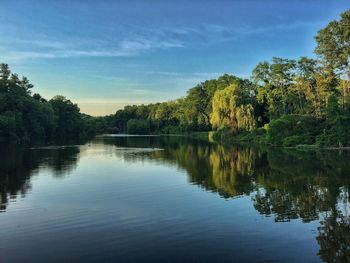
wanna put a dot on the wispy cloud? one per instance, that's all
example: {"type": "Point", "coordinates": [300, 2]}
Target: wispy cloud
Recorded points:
{"type": "Point", "coordinates": [181, 74]}
{"type": "Point", "coordinates": [216, 33]}
{"type": "Point", "coordinates": [143, 41]}
{"type": "Point", "coordinates": [55, 49]}
{"type": "Point", "coordinates": [135, 46]}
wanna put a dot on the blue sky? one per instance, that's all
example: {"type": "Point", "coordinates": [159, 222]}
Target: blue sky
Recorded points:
{"type": "Point", "coordinates": [106, 54]}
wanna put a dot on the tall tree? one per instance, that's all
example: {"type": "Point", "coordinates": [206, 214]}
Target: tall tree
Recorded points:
{"type": "Point", "coordinates": [333, 45]}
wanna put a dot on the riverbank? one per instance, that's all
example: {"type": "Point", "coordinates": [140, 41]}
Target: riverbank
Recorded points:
{"type": "Point", "coordinates": [256, 138]}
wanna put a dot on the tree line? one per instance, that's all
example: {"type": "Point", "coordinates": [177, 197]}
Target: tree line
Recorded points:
{"type": "Point", "coordinates": [27, 117]}
{"type": "Point", "coordinates": [285, 102]}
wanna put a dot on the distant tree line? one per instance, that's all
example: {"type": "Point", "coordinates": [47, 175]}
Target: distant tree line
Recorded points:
{"type": "Point", "coordinates": [27, 117]}
{"type": "Point", "coordinates": [285, 102]}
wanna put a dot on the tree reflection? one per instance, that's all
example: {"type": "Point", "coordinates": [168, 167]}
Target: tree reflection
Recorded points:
{"type": "Point", "coordinates": [18, 165]}
{"type": "Point", "coordinates": [285, 184]}
{"type": "Point", "coordinates": [334, 237]}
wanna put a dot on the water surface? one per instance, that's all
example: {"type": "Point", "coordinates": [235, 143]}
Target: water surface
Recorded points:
{"type": "Point", "coordinates": [172, 199]}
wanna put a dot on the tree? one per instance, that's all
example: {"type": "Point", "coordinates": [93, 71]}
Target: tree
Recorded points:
{"type": "Point", "coordinates": [233, 109]}
{"type": "Point", "coordinates": [24, 83]}
{"type": "Point", "coordinates": [305, 85]}
{"type": "Point", "coordinates": [197, 103]}
{"type": "Point", "coordinates": [4, 71]}
{"type": "Point", "coordinates": [261, 73]}
{"type": "Point", "coordinates": [333, 45]}
{"type": "Point", "coordinates": [68, 118]}
{"type": "Point", "coordinates": [274, 86]}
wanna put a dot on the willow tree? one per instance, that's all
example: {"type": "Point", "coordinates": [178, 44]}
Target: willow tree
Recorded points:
{"type": "Point", "coordinates": [233, 108]}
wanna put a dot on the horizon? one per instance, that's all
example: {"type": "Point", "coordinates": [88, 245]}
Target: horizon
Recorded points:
{"type": "Point", "coordinates": [140, 53]}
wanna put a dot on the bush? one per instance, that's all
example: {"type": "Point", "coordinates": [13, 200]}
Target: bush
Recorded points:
{"type": "Point", "coordinates": [301, 130]}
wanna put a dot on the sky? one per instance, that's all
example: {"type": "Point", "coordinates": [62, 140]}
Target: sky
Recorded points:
{"type": "Point", "coordinates": [106, 54]}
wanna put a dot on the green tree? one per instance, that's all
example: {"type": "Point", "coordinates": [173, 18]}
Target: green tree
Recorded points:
{"type": "Point", "coordinates": [197, 102]}
{"type": "Point", "coordinates": [333, 46]}
{"type": "Point", "coordinates": [68, 118]}
{"type": "Point", "coordinates": [333, 43]}
{"type": "Point", "coordinates": [5, 71]}
{"type": "Point", "coordinates": [233, 109]}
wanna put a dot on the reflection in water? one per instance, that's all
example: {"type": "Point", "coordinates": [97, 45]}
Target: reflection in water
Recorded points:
{"type": "Point", "coordinates": [334, 237]}
{"type": "Point", "coordinates": [285, 184]}
{"type": "Point", "coordinates": [18, 165]}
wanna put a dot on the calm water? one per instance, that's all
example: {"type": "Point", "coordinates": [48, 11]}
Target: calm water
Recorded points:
{"type": "Point", "coordinates": [158, 199]}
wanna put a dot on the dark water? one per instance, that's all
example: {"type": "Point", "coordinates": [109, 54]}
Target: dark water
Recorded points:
{"type": "Point", "coordinates": [158, 199]}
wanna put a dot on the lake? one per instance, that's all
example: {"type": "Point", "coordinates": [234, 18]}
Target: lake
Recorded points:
{"type": "Point", "coordinates": [172, 199]}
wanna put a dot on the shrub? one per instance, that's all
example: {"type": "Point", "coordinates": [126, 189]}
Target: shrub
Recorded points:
{"type": "Point", "coordinates": [298, 127]}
